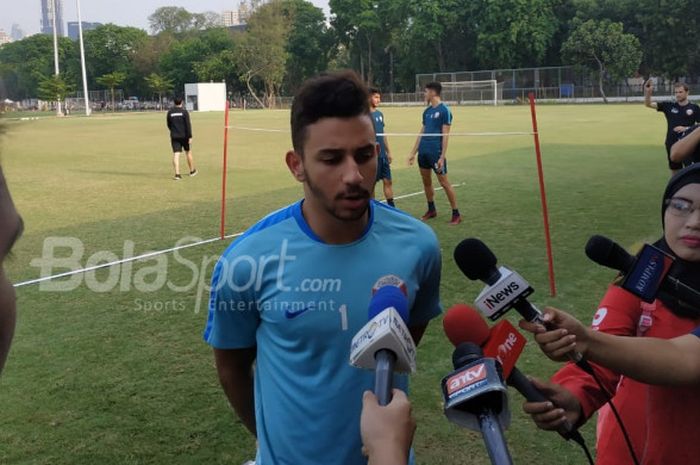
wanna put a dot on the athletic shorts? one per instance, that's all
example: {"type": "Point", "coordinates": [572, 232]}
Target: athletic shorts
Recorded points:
{"type": "Point", "coordinates": [180, 144]}
{"type": "Point", "coordinates": [383, 168]}
{"type": "Point", "coordinates": [429, 162]}
{"type": "Point", "coordinates": [674, 165]}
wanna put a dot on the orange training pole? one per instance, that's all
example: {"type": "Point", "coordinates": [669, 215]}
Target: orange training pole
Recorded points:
{"type": "Point", "coordinates": [543, 196]}
{"type": "Point", "coordinates": [223, 176]}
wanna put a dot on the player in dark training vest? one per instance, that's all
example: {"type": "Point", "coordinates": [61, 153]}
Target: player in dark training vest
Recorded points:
{"type": "Point", "coordinates": [680, 116]}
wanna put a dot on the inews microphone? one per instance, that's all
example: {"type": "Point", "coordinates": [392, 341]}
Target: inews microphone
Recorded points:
{"type": "Point", "coordinates": [384, 344]}
{"type": "Point", "coordinates": [504, 343]}
{"type": "Point", "coordinates": [475, 398]}
{"type": "Point", "coordinates": [505, 289]}
{"type": "Point", "coordinates": [646, 275]}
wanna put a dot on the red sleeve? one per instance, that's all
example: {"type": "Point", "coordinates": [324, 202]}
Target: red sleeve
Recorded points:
{"type": "Point", "coordinates": [618, 313]}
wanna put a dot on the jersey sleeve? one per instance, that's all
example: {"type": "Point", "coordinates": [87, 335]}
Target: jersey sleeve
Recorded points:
{"type": "Point", "coordinates": [167, 120]}
{"type": "Point", "coordinates": [663, 107]}
{"type": "Point", "coordinates": [427, 303]}
{"type": "Point", "coordinates": [233, 314]}
{"type": "Point", "coordinates": [447, 117]}
{"type": "Point", "coordinates": [618, 314]}
{"type": "Point", "coordinates": [696, 331]}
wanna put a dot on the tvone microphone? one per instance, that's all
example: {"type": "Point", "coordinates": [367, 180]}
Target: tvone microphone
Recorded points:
{"type": "Point", "coordinates": [475, 398]}
{"type": "Point", "coordinates": [384, 344]}
{"type": "Point", "coordinates": [504, 343]}
{"type": "Point", "coordinates": [646, 275]}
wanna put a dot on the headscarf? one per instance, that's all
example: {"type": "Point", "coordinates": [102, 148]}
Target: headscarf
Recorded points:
{"type": "Point", "coordinates": [686, 271]}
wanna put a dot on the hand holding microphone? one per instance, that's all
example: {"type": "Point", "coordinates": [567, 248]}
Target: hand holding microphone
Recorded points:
{"type": "Point", "coordinates": [569, 335]}
{"type": "Point", "coordinates": [554, 409]}
{"type": "Point", "coordinates": [387, 431]}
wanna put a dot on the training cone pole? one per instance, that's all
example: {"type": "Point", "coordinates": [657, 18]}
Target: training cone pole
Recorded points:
{"type": "Point", "coordinates": [543, 196]}
{"type": "Point", "coordinates": [223, 174]}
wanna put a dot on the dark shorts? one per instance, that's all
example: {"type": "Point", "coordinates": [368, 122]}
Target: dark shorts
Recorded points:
{"type": "Point", "coordinates": [383, 168]}
{"type": "Point", "coordinates": [180, 144]}
{"type": "Point", "coordinates": [674, 165]}
{"type": "Point", "coordinates": [429, 162]}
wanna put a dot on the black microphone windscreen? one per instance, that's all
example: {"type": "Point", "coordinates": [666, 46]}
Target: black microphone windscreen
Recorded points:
{"type": "Point", "coordinates": [465, 353]}
{"type": "Point", "coordinates": [475, 259]}
{"type": "Point", "coordinates": [607, 253]}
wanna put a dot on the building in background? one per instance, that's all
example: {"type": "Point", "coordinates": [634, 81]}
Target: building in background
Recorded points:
{"type": "Point", "coordinates": [231, 18]}
{"type": "Point", "coordinates": [47, 15]}
{"type": "Point", "coordinates": [16, 33]}
{"type": "Point", "coordinates": [4, 38]}
{"type": "Point", "coordinates": [73, 29]}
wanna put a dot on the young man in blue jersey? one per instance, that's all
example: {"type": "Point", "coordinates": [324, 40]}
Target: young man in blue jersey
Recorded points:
{"type": "Point", "coordinates": [432, 151]}
{"type": "Point", "coordinates": [384, 159]}
{"type": "Point", "coordinates": [289, 295]}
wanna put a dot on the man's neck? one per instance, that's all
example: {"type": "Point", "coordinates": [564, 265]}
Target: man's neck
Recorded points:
{"type": "Point", "coordinates": [331, 230]}
{"type": "Point", "coordinates": [683, 102]}
{"type": "Point", "coordinates": [435, 101]}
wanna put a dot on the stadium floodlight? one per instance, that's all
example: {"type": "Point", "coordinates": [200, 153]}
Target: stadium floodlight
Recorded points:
{"type": "Point", "coordinates": [82, 60]}
{"type": "Point", "coordinates": [488, 91]}
{"type": "Point", "coordinates": [59, 112]}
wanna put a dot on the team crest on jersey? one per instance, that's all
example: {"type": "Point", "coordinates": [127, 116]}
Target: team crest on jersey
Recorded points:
{"type": "Point", "coordinates": [599, 316]}
{"type": "Point", "coordinates": [674, 110]}
{"type": "Point", "coordinates": [436, 115]}
{"type": "Point", "coordinates": [390, 280]}
{"type": "Point", "coordinates": [689, 112]}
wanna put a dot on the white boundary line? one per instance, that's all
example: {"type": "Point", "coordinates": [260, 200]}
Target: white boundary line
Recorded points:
{"type": "Point", "coordinates": [404, 134]}
{"type": "Point", "coordinates": [164, 251]}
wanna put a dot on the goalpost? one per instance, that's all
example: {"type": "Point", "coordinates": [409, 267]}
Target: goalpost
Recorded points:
{"type": "Point", "coordinates": [488, 91]}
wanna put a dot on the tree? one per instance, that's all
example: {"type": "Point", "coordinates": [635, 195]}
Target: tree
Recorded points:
{"type": "Point", "coordinates": [160, 85]}
{"type": "Point", "coordinates": [521, 40]}
{"type": "Point", "coordinates": [25, 62]}
{"type": "Point", "coordinates": [111, 81]}
{"type": "Point", "coordinates": [262, 54]}
{"type": "Point", "coordinates": [171, 19]}
{"type": "Point", "coordinates": [310, 43]}
{"type": "Point", "coordinates": [603, 48]}
{"type": "Point", "coordinates": [183, 62]}
{"type": "Point", "coordinates": [111, 48]}
{"type": "Point", "coordinates": [54, 88]}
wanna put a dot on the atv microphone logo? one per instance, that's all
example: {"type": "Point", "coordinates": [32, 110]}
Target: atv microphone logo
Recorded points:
{"type": "Point", "coordinates": [650, 269]}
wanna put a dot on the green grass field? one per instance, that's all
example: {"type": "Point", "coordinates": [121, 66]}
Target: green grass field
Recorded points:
{"type": "Point", "coordinates": [123, 376]}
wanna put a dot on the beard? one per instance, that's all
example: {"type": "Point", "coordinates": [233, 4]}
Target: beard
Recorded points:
{"type": "Point", "coordinates": [332, 206]}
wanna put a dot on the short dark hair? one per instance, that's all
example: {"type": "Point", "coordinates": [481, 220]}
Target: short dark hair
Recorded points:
{"type": "Point", "coordinates": [329, 95]}
{"type": "Point", "coordinates": [681, 84]}
{"type": "Point", "coordinates": [373, 90]}
{"type": "Point", "coordinates": [177, 100]}
{"type": "Point", "coordinates": [436, 86]}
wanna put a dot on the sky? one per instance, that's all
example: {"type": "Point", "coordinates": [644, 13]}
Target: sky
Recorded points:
{"type": "Point", "coordinates": [27, 13]}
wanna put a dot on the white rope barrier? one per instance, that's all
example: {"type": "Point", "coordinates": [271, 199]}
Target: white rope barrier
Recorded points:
{"type": "Point", "coordinates": [164, 251]}
{"type": "Point", "coordinates": [405, 134]}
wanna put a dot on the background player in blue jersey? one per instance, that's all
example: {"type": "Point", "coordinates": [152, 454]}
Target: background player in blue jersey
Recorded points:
{"type": "Point", "coordinates": [432, 151]}
{"type": "Point", "coordinates": [290, 294]}
{"type": "Point", "coordinates": [680, 116]}
{"type": "Point", "coordinates": [384, 159]}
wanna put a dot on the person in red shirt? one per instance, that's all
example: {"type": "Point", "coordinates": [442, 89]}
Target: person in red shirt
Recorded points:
{"type": "Point", "coordinates": [661, 421]}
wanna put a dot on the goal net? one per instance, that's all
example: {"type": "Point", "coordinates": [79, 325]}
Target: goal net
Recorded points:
{"type": "Point", "coordinates": [473, 92]}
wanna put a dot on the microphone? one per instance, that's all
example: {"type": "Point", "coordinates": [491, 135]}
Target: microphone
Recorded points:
{"type": "Point", "coordinates": [475, 398]}
{"type": "Point", "coordinates": [646, 275]}
{"type": "Point", "coordinates": [384, 344]}
{"type": "Point", "coordinates": [505, 289]}
{"type": "Point", "coordinates": [504, 343]}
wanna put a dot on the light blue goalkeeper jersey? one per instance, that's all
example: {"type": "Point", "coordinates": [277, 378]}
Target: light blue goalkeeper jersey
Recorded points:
{"type": "Point", "coordinates": [300, 301]}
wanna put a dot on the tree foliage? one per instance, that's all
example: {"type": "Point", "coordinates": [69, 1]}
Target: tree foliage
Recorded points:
{"type": "Point", "coordinates": [111, 81]}
{"type": "Point", "coordinates": [605, 49]}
